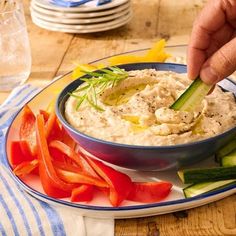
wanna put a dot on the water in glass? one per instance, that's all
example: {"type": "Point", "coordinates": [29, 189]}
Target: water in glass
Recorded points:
{"type": "Point", "coordinates": [15, 56]}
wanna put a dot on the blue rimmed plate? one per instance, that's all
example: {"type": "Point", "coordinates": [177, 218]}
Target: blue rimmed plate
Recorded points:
{"type": "Point", "coordinates": [100, 206]}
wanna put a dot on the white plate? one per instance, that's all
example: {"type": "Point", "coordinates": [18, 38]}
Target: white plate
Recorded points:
{"type": "Point", "coordinates": [78, 15]}
{"type": "Point", "coordinates": [82, 28]}
{"type": "Point", "coordinates": [100, 206]}
{"type": "Point", "coordinates": [88, 7]}
{"type": "Point", "coordinates": [80, 31]}
{"type": "Point", "coordinates": [62, 20]}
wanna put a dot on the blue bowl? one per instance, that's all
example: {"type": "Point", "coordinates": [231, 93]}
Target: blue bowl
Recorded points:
{"type": "Point", "coordinates": [146, 157]}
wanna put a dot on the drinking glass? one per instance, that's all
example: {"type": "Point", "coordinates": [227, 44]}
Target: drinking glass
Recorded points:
{"type": "Point", "coordinates": [15, 56]}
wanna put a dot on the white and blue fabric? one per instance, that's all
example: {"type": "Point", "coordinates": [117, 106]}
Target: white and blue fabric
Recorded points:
{"type": "Point", "coordinates": [21, 214]}
{"type": "Point", "coordinates": [77, 3]}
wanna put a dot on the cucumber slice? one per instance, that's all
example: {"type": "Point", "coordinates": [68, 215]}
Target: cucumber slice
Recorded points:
{"type": "Point", "coordinates": [190, 176]}
{"type": "Point", "coordinates": [229, 160]}
{"type": "Point", "coordinates": [192, 96]}
{"type": "Point", "coordinates": [229, 147]}
{"type": "Point", "coordinates": [197, 189]}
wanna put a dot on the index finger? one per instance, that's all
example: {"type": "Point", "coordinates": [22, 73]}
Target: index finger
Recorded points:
{"type": "Point", "coordinates": [210, 20]}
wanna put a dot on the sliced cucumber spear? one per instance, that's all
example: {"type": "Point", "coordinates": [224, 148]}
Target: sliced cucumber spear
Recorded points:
{"type": "Point", "coordinates": [197, 189]}
{"type": "Point", "coordinates": [192, 96]}
{"type": "Point", "coordinates": [229, 160]}
{"type": "Point", "coordinates": [228, 148]}
{"type": "Point", "coordinates": [220, 177]}
{"type": "Point", "coordinates": [200, 175]}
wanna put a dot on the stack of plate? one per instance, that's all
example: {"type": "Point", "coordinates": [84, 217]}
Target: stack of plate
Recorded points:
{"type": "Point", "coordinates": [87, 18]}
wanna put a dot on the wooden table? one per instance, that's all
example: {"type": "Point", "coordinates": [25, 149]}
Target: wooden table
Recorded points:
{"type": "Point", "coordinates": [54, 53]}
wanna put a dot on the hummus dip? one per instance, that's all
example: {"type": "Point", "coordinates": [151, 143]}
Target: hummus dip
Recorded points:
{"type": "Point", "coordinates": [136, 111]}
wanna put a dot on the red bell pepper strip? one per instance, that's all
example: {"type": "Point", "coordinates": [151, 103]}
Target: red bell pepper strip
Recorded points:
{"type": "Point", "coordinates": [26, 167]}
{"type": "Point", "coordinates": [66, 139]}
{"type": "Point", "coordinates": [45, 114]}
{"type": "Point", "coordinates": [19, 152]}
{"type": "Point", "coordinates": [148, 192]}
{"type": "Point", "coordinates": [79, 178]}
{"type": "Point", "coordinates": [50, 123]}
{"type": "Point", "coordinates": [83, 193]}
{"type": "Point", "coordinates": [52, 184]}
{"type": "Point", "coordinates": [27, 130]}
{"type": "Point", "coordinates": [78, 158]}
{"type": "Point", "coordinates": [57, 155]}
{"type": "Point", "coordinates": [66, 150]}
{"type": "Point", "coordinates": [66, 166]}
{"type": "Point", "coordinates": [53, 129]}
{"type": "Point", "coordinates": [120, 184]}
{"type": "Point", "coordinates": [86, 166]}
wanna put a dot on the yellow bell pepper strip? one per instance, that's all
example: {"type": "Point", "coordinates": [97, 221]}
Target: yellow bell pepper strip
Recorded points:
{"type": "Point", "coordinates": [78, 71]}
{"type": "Point", "coordinates": [155, 54]}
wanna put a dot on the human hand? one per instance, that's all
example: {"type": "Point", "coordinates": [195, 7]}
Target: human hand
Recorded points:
{"type": "Point", "coordinates": [212, 47]}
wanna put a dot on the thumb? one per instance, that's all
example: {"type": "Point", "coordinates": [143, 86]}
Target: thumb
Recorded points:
{"type": "Point", "coordinates": [221, 64]}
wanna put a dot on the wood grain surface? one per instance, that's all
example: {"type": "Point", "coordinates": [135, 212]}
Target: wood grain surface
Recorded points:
{"type": "Point", "coordinates": [54, 53]}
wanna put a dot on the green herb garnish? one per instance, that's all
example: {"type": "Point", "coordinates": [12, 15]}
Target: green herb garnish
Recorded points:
{"type": "Point", "coordinates": [96, 84]}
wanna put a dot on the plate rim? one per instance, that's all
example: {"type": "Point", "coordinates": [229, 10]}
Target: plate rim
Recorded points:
{"type": "Point", "coordinates": [178, 202]}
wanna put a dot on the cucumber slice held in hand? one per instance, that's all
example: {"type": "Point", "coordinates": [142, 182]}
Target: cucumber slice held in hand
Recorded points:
{"type": "Point", "coordinates": [192, 96]}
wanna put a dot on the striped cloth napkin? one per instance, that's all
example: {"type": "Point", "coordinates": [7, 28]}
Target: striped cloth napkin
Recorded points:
{"type": "Point", "coordinates": [77, 3]}
{"type": "Point", "coordinates": [21, 214]}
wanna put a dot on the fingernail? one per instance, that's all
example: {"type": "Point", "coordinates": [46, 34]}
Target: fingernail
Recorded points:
{"type": "Point", "coordinates": [209, 76]}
